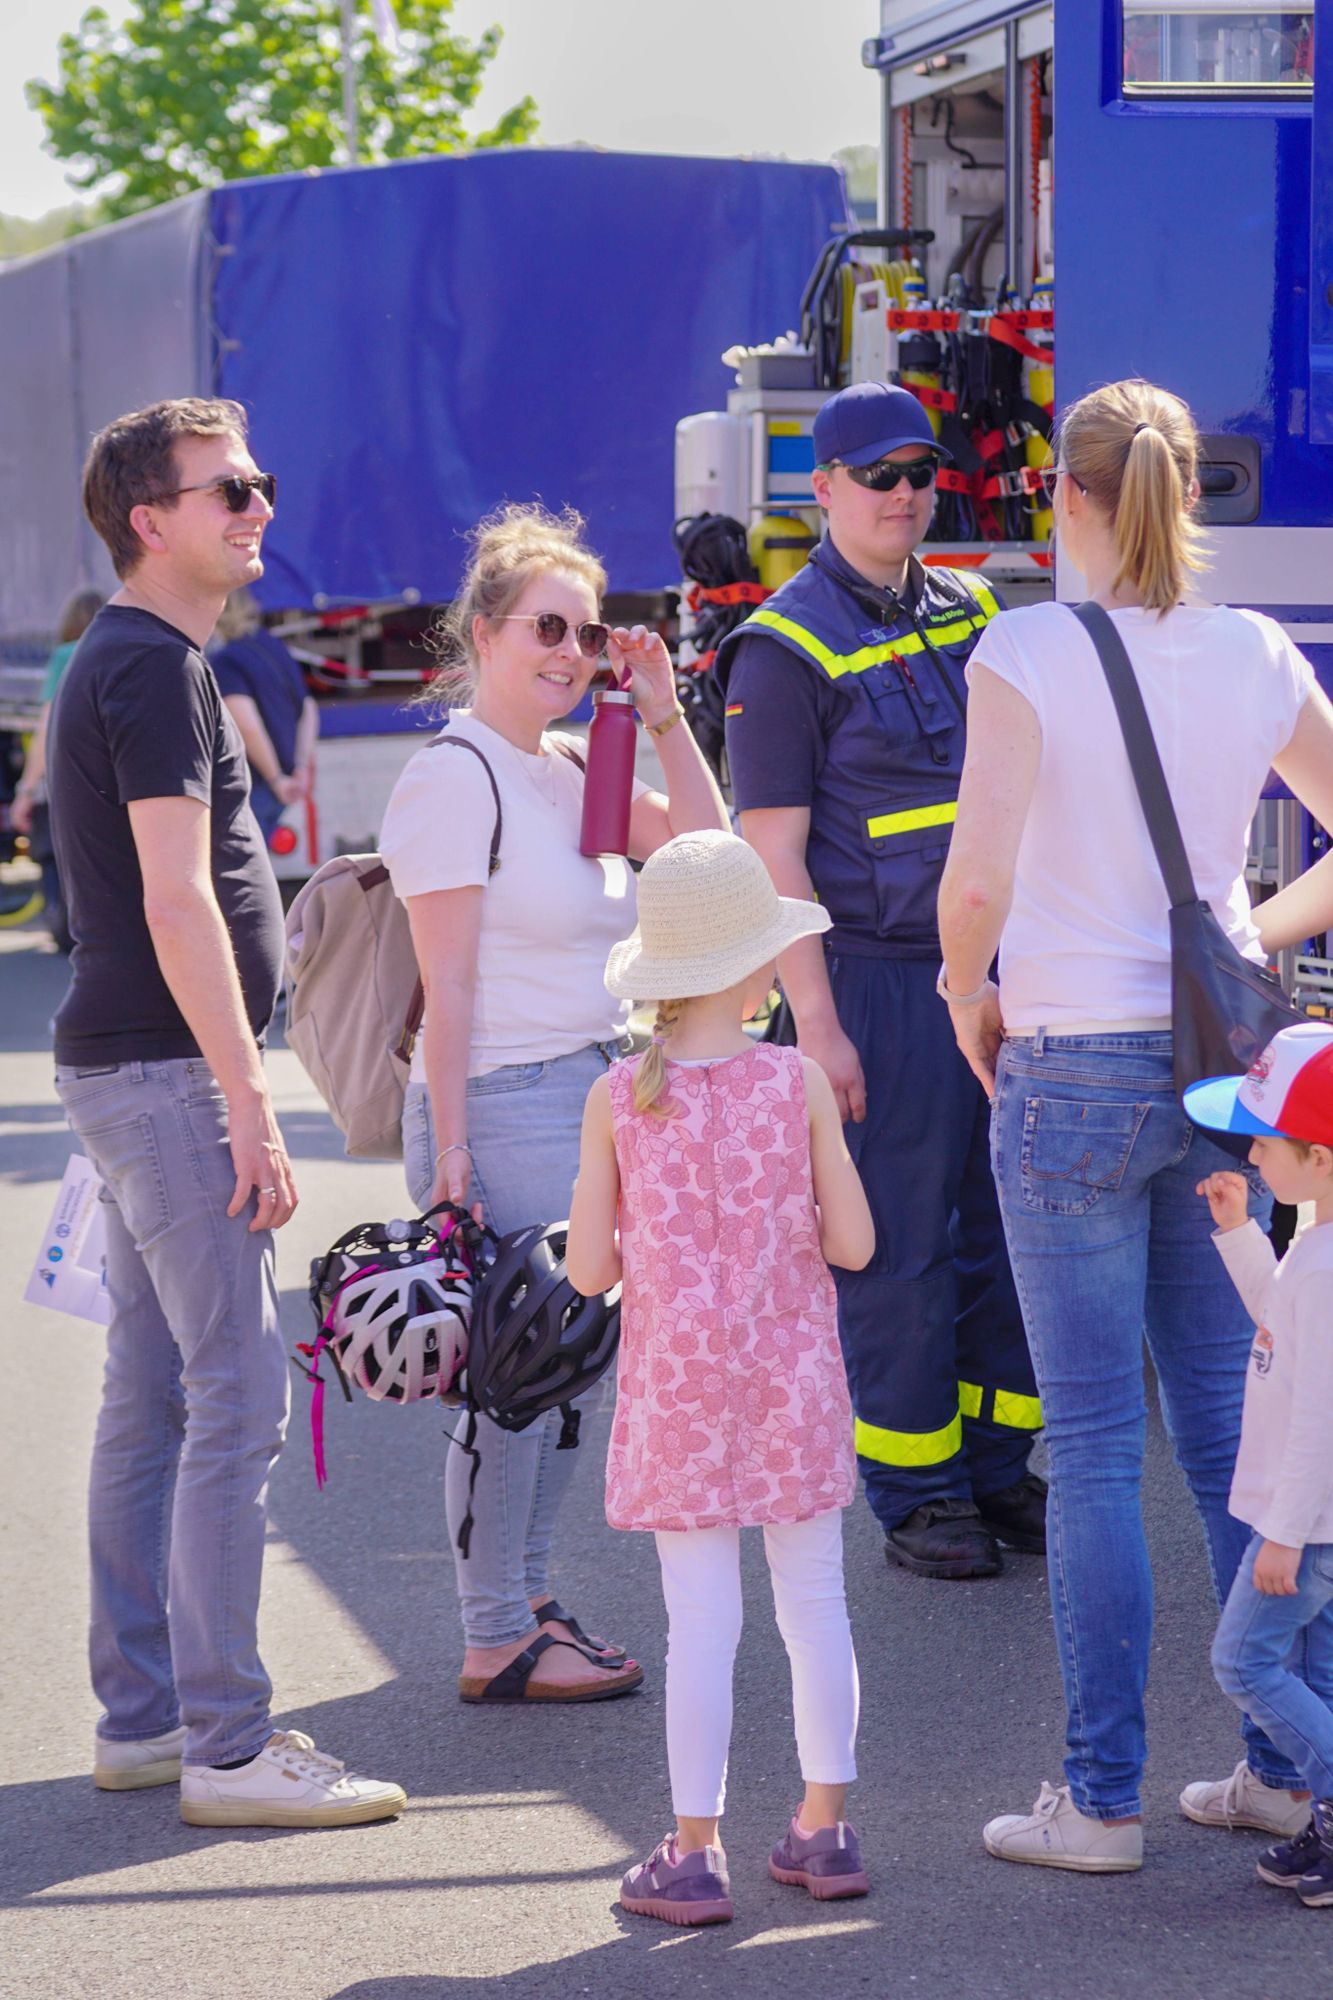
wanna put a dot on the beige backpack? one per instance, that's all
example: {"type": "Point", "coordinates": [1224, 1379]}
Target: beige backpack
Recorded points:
{"type": "Point", "coordinates": [354, 995]}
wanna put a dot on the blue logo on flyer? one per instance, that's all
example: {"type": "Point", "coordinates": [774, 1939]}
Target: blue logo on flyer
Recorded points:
{"type": "Point", "coordinates": [62, 1229]}
{"type": "Point", "coordinates": [55, 1253]}
{"type": "Point", "coordinates": [48, 1277]}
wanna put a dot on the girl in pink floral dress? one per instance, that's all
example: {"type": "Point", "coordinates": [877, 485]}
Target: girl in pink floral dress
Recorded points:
{"type": "Point", "coordinates": [714, 1181]}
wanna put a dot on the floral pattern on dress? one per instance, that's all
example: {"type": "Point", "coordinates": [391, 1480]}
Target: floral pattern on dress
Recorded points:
{"type": "Point", "coordinates": [732, 1408]}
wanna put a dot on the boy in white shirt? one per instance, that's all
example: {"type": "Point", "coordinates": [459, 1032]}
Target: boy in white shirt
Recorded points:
{"type": "Point", "coordinates": [1283, 1483]}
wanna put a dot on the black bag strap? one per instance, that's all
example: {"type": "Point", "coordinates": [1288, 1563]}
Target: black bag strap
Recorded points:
{"type": "Point", "coordinates": [1144, 759]}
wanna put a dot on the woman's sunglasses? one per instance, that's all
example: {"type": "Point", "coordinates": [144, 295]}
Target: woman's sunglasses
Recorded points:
{"type": "Point", "coordinates": [1049, 477]}
{"type": "Point", "coordinates": [884, 475]}
{"type": "Point", "coordinates": [235, 491]}
{"type": "Point", "coordinates": [551, 628]}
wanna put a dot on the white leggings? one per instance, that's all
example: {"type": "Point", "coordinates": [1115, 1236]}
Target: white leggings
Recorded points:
{"type": "Point", "coordinates": [701, 1582]}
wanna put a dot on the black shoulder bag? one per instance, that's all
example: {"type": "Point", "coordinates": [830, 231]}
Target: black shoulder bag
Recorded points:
{"type": "Point", "coordinates": [1225, 1009]}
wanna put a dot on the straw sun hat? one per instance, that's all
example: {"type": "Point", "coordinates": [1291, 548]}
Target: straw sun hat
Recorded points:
{"type": "Point", "coordinates": [708, 917]}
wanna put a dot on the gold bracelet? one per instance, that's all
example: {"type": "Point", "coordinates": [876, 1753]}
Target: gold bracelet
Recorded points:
{"type": "Point", "coordinates": [661, 728]}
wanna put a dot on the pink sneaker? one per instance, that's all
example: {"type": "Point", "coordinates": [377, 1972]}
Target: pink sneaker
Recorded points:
{"type": "Point", "coordinates": [680, 1889]}
{"type": "Point", "coordinates": [827, 1863]}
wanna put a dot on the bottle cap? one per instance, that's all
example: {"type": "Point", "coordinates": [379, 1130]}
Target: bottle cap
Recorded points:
{"type": "Point", "coordinates": [621, 697]}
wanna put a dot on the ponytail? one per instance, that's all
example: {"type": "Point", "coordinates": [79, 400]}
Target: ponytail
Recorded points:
{"type": "Point", "coordinates": [1134, 449]}
{"type": "Point", "coordinates": [650, 1076]}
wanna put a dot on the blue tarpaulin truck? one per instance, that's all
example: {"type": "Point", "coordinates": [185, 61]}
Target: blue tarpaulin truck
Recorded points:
{"type": "Point", "coordinates": [414, 344]}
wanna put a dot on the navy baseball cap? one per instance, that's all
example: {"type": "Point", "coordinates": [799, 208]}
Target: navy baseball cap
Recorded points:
{"type": "Point", "coordinates": [865, 423]}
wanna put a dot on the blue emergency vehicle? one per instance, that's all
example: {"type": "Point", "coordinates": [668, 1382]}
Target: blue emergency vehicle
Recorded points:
{"type": "Point", "coordinates": [1071, 193]}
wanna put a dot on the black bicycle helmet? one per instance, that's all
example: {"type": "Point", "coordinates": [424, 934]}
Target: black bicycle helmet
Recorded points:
{"type": "Point", "coordinates": [535, 1343]}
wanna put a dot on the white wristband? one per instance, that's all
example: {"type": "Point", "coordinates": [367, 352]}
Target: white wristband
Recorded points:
{"type": "Point", "coordinates": [963, 999]}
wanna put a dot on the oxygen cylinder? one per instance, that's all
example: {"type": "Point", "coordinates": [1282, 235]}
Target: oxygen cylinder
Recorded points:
{"type": "Point", "coordinates": [919, 353]}
{"type": "Point", "coordinates": [1039, 386]}
{"type": "Point", "coordinates": [780, 545]}
{"type": "Point", "coordinates": [608, 784]}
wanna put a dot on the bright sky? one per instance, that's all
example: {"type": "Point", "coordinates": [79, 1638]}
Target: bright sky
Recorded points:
{"type": "Point", "coordinates": [681, 76]}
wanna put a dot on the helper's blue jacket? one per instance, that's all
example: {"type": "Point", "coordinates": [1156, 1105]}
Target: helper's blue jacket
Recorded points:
{"type": "Point", "coordinates": [887, 795]}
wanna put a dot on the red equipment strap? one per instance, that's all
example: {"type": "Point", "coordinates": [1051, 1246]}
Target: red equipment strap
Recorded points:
{"type": "Point", "coordinates": [727, 595]}
{"type": "Point", "coordinates": [1002, 329]}
{"type": "Point", "coordinates": [922, 319]}
{"type": "Point", "coordinates": [934, 399]}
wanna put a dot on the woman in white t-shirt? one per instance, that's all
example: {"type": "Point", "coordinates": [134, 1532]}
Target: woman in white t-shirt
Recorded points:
{"type": "Point", "coordinates": [1095, 1162]}
{"type": "Point", "coordinates": [518, 1020]}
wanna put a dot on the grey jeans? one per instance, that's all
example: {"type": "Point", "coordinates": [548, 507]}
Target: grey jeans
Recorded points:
{"type": "Point", "coordinates": [194, 1410]}
{"type": "Point", "coordinates": [523, 1128]}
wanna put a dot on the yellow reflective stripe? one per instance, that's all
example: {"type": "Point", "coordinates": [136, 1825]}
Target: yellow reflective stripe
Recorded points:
{"type": "Point", "coordinates": [909, 822]}
{"type": "Point", "coordinates": [909, 1447]}
{"type": "Point", "coordinates": [837, 664]}
{"type": "Point", "coordinates": [985, 597]}
{"type": "Point", "coordinates": [956, 629]}
{"type": "Point", "coordinates": [1020, 1413]}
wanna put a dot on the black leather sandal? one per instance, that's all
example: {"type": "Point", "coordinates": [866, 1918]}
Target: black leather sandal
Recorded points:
{"type": "Point", "coordinates": [552, 1612]}
{"type": "Point", "coordinates": [510, 1687]}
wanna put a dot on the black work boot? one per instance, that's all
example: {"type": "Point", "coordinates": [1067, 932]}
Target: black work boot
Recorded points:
{"type": "Point", "coordinates": [944, 1538]}
{"type": "Point", "coordinates": [1016, 1515]}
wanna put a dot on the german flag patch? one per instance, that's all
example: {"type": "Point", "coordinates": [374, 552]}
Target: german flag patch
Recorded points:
{"type": "Point", "coordinates": [735, 708]}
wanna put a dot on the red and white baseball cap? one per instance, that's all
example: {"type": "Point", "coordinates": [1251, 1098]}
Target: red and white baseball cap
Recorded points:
{"type": "Point", "coordinates": [1288, 1094]}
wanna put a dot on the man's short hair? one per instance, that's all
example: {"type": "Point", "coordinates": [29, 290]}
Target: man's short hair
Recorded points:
{"type": "Point", "coordinates": [130, 464]}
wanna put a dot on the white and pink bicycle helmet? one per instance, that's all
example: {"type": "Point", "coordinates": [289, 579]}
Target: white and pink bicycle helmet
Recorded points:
{"type": "Point", "coordinates": [394, 1302]}
{"type": "Point", "coordinates": [401, 1334]}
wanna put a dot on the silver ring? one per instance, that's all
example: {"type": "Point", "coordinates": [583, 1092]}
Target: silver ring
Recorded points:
{"type": "Point", "coordinates": [272, 1191]}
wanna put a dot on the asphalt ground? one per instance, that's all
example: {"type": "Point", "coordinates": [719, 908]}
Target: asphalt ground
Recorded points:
{"type": "Point", "coordinates": [501, 1878]}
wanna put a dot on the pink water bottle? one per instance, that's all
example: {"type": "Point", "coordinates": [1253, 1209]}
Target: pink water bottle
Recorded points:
{"type": "Point", "coordinates": [608, 787]}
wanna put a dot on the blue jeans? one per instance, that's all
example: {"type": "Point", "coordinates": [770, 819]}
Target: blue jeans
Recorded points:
{"type": "Point", "coordinates": [194, 1410]}
{"type": "Point", "coordinates": [1096, 1167]}
{"type": "Point", "coordinates": [523, 1127]}
{"type": "Point", "coordinates": [1259, 1640]}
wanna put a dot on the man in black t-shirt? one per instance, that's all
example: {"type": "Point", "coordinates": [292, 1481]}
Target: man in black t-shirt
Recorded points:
{"type": "Point", "coordinates": [177, 932]}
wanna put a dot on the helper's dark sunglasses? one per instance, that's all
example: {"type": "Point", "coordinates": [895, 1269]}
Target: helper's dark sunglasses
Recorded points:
{"type": "Point", "coordinates": [884, 475]}
{"type": "Point", "coordinates": [235, 491]}
{"type": "Point", "coordinates": [551, 628]}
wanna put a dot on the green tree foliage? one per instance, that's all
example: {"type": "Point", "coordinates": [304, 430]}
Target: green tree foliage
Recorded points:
{"type": "Point", "coordinates": [20, 238]}
{"type": "Point", "coordinates": [188, 93]}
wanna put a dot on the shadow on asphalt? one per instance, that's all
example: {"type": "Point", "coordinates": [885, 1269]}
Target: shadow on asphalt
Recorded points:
{"type": "Point", "coordinates": [961, 1718]}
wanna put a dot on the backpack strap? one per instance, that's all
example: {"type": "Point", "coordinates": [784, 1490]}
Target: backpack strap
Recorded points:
{"type": "Point", "coordinates": [417, 1007]}
{"type": "Point", "coordinates": [462, 743]}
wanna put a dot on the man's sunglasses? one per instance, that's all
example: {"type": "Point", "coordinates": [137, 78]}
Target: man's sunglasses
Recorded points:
{"type": "Point", "coordinates": [551, 628]}
{"type": "Point", "coordinates": [235, 491]}
{"type": "Point", "coordinates": [884, 475]}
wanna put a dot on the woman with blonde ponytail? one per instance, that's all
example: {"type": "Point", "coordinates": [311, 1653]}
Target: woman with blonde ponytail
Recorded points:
{"type": "Point", "coordinates": [1096, 1164]}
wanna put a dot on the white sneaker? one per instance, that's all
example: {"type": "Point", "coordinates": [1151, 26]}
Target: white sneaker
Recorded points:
{"type": "Point", "coordinates": [1055, 1834]}
{"type": "Point", "coordinates": [128, 1767]}
{"type": "Point", "coordinates": [1244, 1800]}
{"type": "Point", "coordinates": [289, 1783]}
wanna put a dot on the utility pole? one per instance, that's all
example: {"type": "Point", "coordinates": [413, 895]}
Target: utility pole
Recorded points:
{"type": "Point", "coordinates": [349, 81]}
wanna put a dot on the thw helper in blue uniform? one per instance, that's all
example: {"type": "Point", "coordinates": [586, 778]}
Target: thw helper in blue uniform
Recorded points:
{"type": "Point", "coordinates": [845, 722]}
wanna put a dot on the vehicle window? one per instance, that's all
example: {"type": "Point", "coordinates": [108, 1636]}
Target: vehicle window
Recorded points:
{"type": "Point", "coordinates": [1215, 48]}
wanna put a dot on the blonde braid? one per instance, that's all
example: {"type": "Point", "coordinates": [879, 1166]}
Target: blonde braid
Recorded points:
{"type": "Point", "coordinates": [650, 1076]}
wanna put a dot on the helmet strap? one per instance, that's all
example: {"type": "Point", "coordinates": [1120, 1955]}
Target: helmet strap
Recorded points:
{"type": "Point", "coordinates": [569, 1429]}
{"type": "Point", "coordinates": [468, 1444]}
